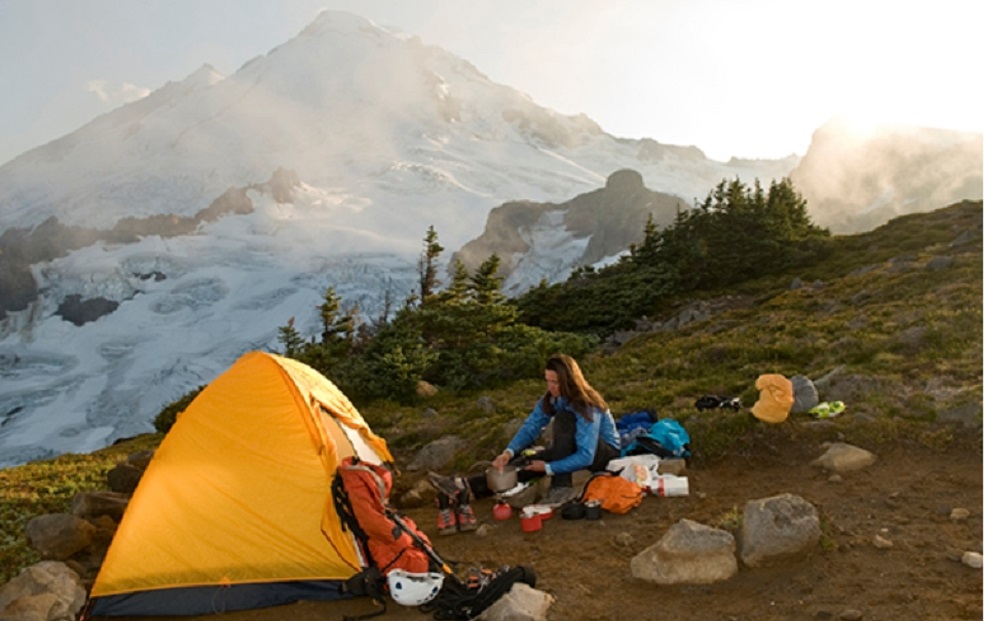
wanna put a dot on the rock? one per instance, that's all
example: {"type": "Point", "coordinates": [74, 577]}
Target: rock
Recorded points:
{"type": "Point", "coordinates": [967, 415]}
{"type": "Point", "coordinates": [486, 405]}
{"type": "Point", "coordinates": [41, 607]}
{"type": "Point", "coordinates": [140, 459]}
{"type": "Point", "coordinates": [419, 495]}
{"type": "Point", "coordinates": [624, 540]}
{"type": "Point", "coordinates": [437, 454]}
{"type": "Point", "coordinates": [689, 553]}
{"type": "Point", "coordinates": [959, 514]}
{"type": "Point", "coordinates": [124, 477]}
{"type": "Point", "coordinates": [48, 591]}
{"type": "Point", "coordinates": [778, 529]}
{"type": "Point", "coordinates": [937, 264]}
{"type": "Point", "coordinates": [881, 542]}
{"type": "Point", "coordinates": [672, 466]}
{"type": "Point", "coordinates": [851, 614]}
{"type": "Point", "coordinates": [972, 559]}
{"type": "Point", "coordinates": [59, 535]}
{"type": "Point", "coordinates": [426, 389]}
{"type": "Point", "coordinates": [521, 603]}
{"type": "Point", "coordinates": [805, 395]}
{"type": "Point", "coordinates": [91, 505]}
{"type": "Point", "coordinates": [841, 458]}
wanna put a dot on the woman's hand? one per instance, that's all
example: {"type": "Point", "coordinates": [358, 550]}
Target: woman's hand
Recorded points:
{"type": "Point", "coordinates": [537, 465]}
{"type": "Point", "coordinates": [500, 462]}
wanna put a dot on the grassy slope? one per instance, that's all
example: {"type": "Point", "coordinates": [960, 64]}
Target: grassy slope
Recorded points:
{"type": "Point", "coordinates": [901, 341]}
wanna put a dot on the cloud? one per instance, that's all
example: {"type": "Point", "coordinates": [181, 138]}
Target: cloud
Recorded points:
{"type": "Point", "coordinates": [116, 95]}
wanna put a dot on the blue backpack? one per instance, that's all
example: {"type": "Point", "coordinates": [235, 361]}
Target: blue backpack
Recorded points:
{"type": "Point", "coordinates": [666, 438]}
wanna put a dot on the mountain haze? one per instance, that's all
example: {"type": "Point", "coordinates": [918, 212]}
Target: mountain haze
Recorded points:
{"type": "Point", "coordinates": [143, 253]}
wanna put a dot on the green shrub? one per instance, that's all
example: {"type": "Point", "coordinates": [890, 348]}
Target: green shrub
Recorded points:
{"type": "Point", "coordinates": [169, 413]}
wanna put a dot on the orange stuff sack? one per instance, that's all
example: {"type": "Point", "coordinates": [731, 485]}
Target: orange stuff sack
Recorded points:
{"type": "Point", "coordinates": [615, 493]}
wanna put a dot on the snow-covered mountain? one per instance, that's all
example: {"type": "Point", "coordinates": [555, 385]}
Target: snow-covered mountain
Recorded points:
{"type": "Point", "coordinates": [143, 253]}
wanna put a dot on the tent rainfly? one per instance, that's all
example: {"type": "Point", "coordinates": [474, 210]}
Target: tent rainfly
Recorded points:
{"type": "Point", "coordinates": [235, 509]}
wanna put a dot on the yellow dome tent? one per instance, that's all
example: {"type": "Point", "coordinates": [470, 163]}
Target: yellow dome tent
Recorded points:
{"type": "Point", "coordinates": [235, 509]}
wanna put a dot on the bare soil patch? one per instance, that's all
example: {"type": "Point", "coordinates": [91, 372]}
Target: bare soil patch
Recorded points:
{"type": "Point", "coordinates": [906, 498]}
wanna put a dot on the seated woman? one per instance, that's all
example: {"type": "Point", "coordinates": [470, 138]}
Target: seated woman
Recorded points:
{"type": "Point", "coordinates": [584, 437]}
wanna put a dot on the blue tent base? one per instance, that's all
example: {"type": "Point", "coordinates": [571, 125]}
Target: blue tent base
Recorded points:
{"type": "Point", "coordinates": [205, 600]}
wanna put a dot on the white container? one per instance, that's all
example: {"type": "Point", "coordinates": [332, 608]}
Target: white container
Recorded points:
{"type": "Point", "coordinates": [670, 485]}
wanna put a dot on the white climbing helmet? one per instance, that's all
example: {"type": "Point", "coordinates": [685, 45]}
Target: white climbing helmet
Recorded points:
{"type": "Point", "coordinates": [410, 589]}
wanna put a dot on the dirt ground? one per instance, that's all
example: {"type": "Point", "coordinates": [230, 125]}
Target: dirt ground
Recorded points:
{"type": "Point", "coordinates": [906, 498]}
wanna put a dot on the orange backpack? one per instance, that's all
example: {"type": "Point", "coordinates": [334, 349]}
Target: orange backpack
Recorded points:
{"type": "Point", "coordinates": [616, 494]}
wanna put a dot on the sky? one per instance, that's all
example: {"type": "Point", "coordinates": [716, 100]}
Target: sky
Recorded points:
{"type": "Point", "coordinates": [749, 79]}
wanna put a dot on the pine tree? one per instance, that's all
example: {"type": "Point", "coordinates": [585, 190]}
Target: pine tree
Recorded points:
{"type": "Point", "coordinates": [427, 265]}
{"type": "Point", "coordinates": [290, 338]}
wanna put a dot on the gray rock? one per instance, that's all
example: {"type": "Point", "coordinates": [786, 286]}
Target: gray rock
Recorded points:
{"type": "Point", "coordinates": [778, 529]}
{"type": "Point", "coordinates": [972, 559]}
{"type": "Point", "coordinates": [48, 591]}
{"type": "Point", "coordinates": [841, 458]}
{"type": "Point", "coordinates": [486, 404]}
{"type": "Point", "coordinates": [437, 454]}
{"type": "Point", "coordinates": [805, 395]}
{"type": "Point", "coordinates": [689, 553]}
{"type": "Point", "coordinates": [521, 603]}
{"type": "Point", "coordinates": [939, 263]}
{"type": "Point", "coordinates": [966, 415]}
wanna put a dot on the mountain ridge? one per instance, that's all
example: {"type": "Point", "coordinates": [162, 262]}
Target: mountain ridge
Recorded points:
{"type": "Point", "coordinates": [380, 136]}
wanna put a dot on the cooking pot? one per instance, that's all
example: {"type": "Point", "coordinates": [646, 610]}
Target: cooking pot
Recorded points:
{"type": "Point", "coordinates": [501, 480]}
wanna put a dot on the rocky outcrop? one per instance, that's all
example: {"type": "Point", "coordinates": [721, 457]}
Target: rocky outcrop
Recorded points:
{"type": "Point", "coordinates": [548, 240]}
{"type": "Point", "coordinates": [856, 181]}
{"type": "Point", "coordinates": [20, 249]}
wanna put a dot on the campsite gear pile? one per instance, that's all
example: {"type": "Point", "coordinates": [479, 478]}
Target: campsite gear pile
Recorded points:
{"type": "Point", "coordinates": [269, 489]}
{"type": "Point", "coordinates": [713, 402]}
{"type": "Point", "coordinates": [779, 397]}
{"type": "Point", "coordinates": [663, 438]}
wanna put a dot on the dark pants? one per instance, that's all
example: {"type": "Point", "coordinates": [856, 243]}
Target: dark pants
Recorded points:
{"type": "Point", "coordinates": [564, 444]}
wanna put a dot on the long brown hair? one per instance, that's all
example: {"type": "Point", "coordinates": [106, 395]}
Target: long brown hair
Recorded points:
{"type": "Point", "coordinates": [573, 387]}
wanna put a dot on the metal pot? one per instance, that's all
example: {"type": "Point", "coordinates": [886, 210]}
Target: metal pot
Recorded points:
{"type": "Point", "coordinates": [501, 480]}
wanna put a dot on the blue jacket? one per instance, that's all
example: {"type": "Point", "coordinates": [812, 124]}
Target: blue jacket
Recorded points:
{"type": "Point", "coordinates": [585, 435]}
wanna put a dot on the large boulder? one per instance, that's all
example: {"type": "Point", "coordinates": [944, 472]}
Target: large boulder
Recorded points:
{"type": "Point", "coordinates": [521, 603]}
{"type": "Point", "coordinates": [45, 591]}
{"type": "Point", "coordinates": [59, 535]}
{"type": "Point", "coordinates": [689, 553]}
{"type": "Point", "coordinates": [91, 505]}
{"type": "Point", "coordinates": [805, 396]}
{"type": "Point", "coordinates": [437, 454]}
{"type": "Point", "coordinates": [778, 529]}
{"type": "Point", "coordinates": [840, 458]}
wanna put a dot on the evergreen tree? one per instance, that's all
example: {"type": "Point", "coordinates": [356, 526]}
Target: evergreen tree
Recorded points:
{"type": "Point", "coordinates": [290, 338]}
{"type": "Point", "coordinates": [427, 265]}
{"type": "Point", "coordinates": [486, 284]}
